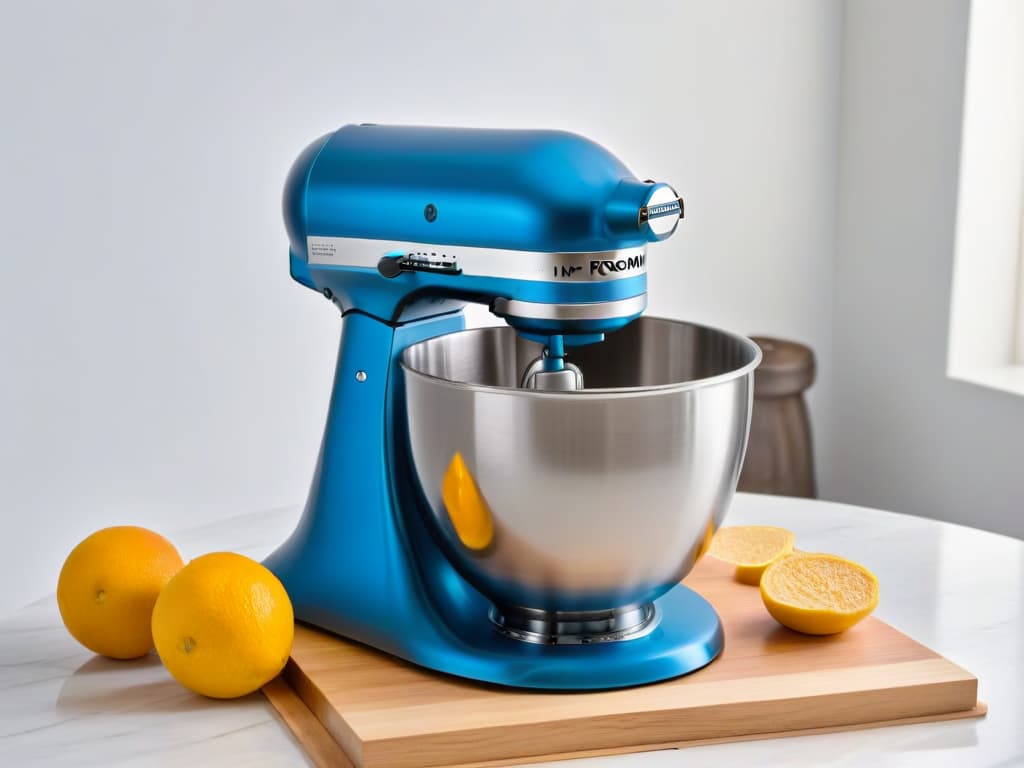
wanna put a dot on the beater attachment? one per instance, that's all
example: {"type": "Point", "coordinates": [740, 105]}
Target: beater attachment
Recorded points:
{"type": "Point", "coordinates": [551, 372]}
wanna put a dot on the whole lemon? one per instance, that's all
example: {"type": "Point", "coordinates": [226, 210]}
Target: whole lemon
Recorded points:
{"type": "Point", "coordinates": [223, 625]}
{"type": "Point", "coordinates": [108, 586]}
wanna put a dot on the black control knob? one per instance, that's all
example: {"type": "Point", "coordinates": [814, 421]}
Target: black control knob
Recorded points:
{"type": "Point", "coordinates": [390, 266]}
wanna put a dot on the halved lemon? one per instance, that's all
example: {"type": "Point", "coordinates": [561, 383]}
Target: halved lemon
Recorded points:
{"type": "Point", "coordinates": [818, 594]}
{"type": "Point", "coordinates": [751, 548]}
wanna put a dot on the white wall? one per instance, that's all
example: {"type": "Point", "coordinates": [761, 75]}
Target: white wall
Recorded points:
{"type": "Point", "coordinates": [905, 436]}
{"type": "Point", "coordinates": [159, 367]}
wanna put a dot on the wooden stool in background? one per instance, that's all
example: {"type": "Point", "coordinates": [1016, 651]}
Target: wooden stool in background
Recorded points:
{"type": "Point", "coordinates": [779, 458]}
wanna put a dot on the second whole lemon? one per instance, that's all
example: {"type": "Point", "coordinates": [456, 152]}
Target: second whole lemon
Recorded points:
{"type": "Point", "coordinates": [224, 625]}
{"type": "Point", "coordinates": [108, 586]}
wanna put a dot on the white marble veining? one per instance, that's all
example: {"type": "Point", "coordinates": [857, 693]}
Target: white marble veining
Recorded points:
{"type": "Point", "coordinates": [956, 589]}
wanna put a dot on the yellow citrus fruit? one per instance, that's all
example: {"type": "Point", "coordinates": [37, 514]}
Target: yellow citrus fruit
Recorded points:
{"type": "Point", "coordinates": [818, 594]}
{"type": "Point", "coordinates": [467, 508]}
{"type": "Point", "coordinates": [751, 548]}
{"type": "Point", "coordinates": [108, 585]}
{"type": "Point", "coordinates": [223, 625]}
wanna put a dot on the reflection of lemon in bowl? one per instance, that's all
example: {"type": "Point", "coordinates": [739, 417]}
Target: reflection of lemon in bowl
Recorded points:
{"type": "Point", "coordinates": [108, 585]}
{"type": "Point", "coordinates": [751, 548]}
{"type": "Point", "coordinates": [818, 594]}
{"type": "Point", "coordinates": [467, 509]}
{"type": "Point", "coordinates": [709, 536]}
{"type": "Point", "coordinates": [223, 625]}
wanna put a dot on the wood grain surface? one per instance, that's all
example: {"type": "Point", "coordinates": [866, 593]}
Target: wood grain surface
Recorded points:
{"type": "Point", "coordinates": [321, 748]}
{"type": "Point", "coordinates": [768, 681]}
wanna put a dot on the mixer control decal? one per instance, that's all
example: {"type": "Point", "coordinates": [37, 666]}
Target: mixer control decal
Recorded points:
{"type": "Point", "coordinates": [323, 250]}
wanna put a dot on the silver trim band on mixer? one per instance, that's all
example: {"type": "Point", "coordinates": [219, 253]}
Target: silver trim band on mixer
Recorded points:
{"type": "Point", "coordinates": [585, 267]}
{"type": "Point", "coordinates": [599, 310]}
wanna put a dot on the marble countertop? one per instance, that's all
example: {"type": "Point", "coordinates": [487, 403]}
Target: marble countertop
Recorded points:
{"type": "Point", "coordinates": [956, 589]}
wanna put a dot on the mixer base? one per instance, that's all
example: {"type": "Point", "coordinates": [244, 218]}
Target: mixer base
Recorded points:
{"type": "Point", "coordinates": [685, 635]}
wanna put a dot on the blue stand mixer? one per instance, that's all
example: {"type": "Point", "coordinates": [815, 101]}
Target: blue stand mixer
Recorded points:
{"type": "Point", "coordinates": [518, 504]}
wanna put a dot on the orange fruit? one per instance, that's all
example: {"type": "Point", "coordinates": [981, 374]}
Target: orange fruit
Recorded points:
{"type": "Point", "coordinates": [108, 586]}
{"type": "Point", "coordinates": [751, 548]}
{"type": "Point", "coordinates": [223, 625]}
{"type": "Point", "coordinates": [818, 594]}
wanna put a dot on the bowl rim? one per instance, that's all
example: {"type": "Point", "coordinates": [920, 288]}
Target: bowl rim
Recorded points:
{"type": "Point", "coordinates": [596, 393]}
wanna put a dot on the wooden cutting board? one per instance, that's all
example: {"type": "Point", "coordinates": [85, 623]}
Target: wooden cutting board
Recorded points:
{"type": "Point", "coordinates": [350, 705]}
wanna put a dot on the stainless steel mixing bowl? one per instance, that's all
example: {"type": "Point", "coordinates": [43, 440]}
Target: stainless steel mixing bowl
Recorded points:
{"type": "Point", "coordinates": [594, 502]}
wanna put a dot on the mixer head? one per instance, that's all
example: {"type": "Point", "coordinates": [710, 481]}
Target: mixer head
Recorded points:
{"type": "Point", "coordinates": [547, 228]}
